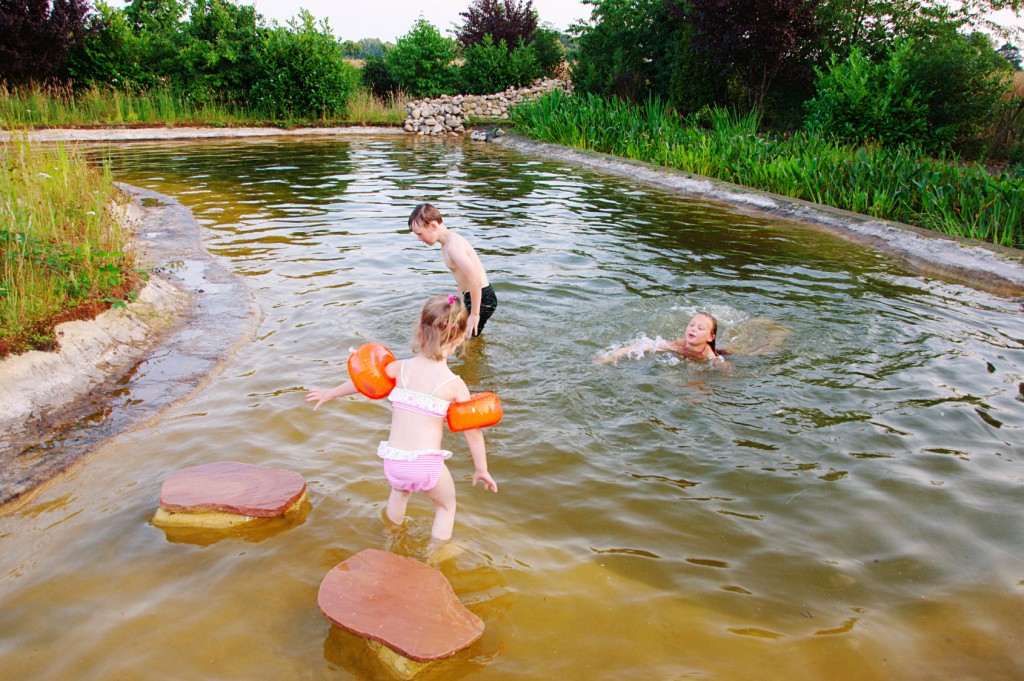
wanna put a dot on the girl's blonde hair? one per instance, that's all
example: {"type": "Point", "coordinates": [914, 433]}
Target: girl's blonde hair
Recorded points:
{"type": "Point", "coordinates": [442, 321]}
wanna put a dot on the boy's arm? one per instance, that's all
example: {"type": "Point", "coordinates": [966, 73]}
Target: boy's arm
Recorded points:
{"type": "Point", "coordinates": [468, 277]}
{"type": "Point", "coordinates": [321, 396]}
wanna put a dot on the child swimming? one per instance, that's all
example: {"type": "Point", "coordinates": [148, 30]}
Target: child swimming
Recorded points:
{"type": "Point", "coordinates": [425, 387]}
{"type": "Point", "coordinates": [697, 343]}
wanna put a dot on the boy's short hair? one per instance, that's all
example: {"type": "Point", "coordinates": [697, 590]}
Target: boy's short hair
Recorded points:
{"type": "Point", "coordinates": [424, 214]}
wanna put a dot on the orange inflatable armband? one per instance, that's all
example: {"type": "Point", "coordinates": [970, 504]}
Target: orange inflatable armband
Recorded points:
{"type": "Point", "coordinates": [479, 411]}
{"type": "Point", "coordinates": [366, 369]}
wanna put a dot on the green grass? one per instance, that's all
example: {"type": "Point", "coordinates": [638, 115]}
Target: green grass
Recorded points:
{"type": "Point", "coordinates": [63, 254]}
{"type": "Point", "coordinates": [898, 184]}
{"type": "Point", "coordinates": [27, 108]}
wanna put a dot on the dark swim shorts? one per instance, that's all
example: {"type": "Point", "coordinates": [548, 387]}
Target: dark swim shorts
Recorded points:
{"type": "Point", "coordinates": [488, 304]}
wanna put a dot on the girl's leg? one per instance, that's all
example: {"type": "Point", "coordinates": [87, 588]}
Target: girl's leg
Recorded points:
{"type": "Point", "coordinates": [443, 496]}
{"type": "Point", "coordinates": [397, 503]}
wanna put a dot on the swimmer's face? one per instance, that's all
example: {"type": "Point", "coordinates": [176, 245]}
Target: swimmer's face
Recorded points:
{"type": "Point", "coordinates": [700, 330]}
{"type": "Point", "coordinates": [427, 233]}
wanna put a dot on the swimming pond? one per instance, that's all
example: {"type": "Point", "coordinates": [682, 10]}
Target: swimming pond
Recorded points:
{"type": "Point", "coordinates": [841, 502]}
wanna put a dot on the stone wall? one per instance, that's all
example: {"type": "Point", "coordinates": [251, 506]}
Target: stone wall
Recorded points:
{"type": "Point", "coordinates": [449, 114]}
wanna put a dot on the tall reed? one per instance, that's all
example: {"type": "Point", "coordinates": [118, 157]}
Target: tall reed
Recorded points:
{"type": "Point", "coordinates": [897, 184]}
{"type": "Point", "coordinates": [62, 252]}
{"type": "Point", "coordinates": [53, 106]}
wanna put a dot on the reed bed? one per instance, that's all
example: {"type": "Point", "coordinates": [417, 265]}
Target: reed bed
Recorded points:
{"type": "Point", "coordinates": [63, 254]}
{"type": "Point", "coordinates": [901, 184]}
{"type": "Point", "coordinates": [55, 106]}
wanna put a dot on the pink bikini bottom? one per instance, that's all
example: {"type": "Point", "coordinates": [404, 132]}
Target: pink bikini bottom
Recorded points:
{"type": "Point", "coordinates": [412, 471]}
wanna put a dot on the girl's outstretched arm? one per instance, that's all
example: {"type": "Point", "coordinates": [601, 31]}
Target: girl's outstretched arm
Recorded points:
{"type": "Point", "coordinates": [475, 440]}
{"type": "Point", "coordinates": [321, 396]}
{"type": "Point", "coordinates": [647, 346]}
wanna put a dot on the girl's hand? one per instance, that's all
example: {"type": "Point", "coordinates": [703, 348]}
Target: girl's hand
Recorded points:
{"type": "Point", "coordinates": [485, 477]}
{"type": "Point", "coordinates": [319, 396]}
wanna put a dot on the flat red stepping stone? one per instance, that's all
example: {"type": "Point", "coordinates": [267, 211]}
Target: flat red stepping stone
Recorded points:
{"type": "Point", "coordinates": [232, 487]}
{"type": "Point", "coordinates": [400, 602]}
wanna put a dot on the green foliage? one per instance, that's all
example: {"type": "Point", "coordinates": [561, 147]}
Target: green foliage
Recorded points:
{"type": "Point", "coordinates": [302, 72]}
{"type": "Point", "coordinates": [859, 101]}
{"type": "Point", "coordinates": [60, 247]}
{"type": "Point", "coordinates": [627, 49]}
{"type": "Point", "coordinates": [421, 61]}
{"type": "Point", "coordinates": [378, 79]}
{"type": "Point", "coordinates": [550, 52]}
{"type": "Point", "coordinates": [964, 79]}
{"type": "Point", "coordinates": [110, 54]}
{"type": "Point", "coordinates": [892, 183]}
{"type": "Point", "coordinates": [940, 92]}
{"type": "Point", "coordinates": [217, 57]}
{"type": "Point", "coordinates": [492, 68]}
{"type": "Point", "coordinates": [364, 48]}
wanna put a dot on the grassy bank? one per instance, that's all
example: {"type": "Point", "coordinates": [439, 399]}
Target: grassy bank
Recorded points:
{"type": "Point", "coordinates": [64, 255]}
{"type": "Point", "coordinates": [941, 194]}
{"type": "Point", "coordinates": [27, 108]}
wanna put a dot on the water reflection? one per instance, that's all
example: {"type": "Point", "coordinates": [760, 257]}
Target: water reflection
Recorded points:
{"type": "Point", "coordinates": [842, 505]}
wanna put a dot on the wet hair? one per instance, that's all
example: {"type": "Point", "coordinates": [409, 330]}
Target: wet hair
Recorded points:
{"type": "Point", "coordinates": [442, 320]}
{"type": "Point", "coordinates": [424, 214]}
{"type": "Point", "coordinates": [714, 329]}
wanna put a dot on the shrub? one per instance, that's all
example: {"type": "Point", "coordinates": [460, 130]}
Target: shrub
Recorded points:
{"type": "Point", "coordinates": [858, 101]}
{"type": "Point", "coordinates": [549, 51]}
{"type": "Point", "coordinates": [303, 71]}
{"type": "Point", "coordinates": [377, 78]}
{"type": "Point", "coordinates": [964, 79]}
{"type": "Point", "coordinates": [421, 61]}
{"type": "Point", "coordinates": [492, 68]}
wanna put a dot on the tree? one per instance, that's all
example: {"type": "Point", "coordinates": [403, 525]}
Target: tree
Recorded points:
{"type": "Point", "coordinates": [753, 40]}
{"type": "Point", "coordinates": [217, 53]}
{"type": "Point", "coordinates": [626, 49]}
{"type": "Point", "coordinates": [37, 36]}
{"type": "Point", "coordinates": [302, 71]}
{"type": "Point", "coordinates": [512, 21]}
{"type": "Point", "coordinates": [421, 61]}
{"type": "Point", "coordinates": [1011, 53]}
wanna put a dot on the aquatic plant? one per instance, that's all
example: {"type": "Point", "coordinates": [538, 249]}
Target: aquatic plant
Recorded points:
{"type": "Point", "coordinates": [901, 183]}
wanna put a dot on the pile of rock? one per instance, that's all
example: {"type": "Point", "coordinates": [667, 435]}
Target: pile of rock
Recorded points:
{"type": "Point", "coordinates": [449, 114]}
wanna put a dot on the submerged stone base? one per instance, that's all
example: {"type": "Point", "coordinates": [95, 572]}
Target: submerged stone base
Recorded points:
{"type": "Point", "coordinates": [227, 494]}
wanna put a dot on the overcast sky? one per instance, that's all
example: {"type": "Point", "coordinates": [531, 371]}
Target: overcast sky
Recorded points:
{"type": "Point", "coordinates": [389, 19]}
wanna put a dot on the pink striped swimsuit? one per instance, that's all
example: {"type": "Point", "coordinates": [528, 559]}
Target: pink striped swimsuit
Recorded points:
{"type": "Point", "coordinates": [414, 470]}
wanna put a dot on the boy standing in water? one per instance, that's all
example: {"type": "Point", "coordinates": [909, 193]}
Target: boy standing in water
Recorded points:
{"type": "Point", "coordinates": [461, 258]}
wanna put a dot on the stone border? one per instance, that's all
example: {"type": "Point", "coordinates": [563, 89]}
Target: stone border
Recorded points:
{"type": "Point", "coordinates": [984, 266]}
{"type": "Point", "coordinates": [127, 366]}
{"type": "Point", "coordinates": [450, 114]}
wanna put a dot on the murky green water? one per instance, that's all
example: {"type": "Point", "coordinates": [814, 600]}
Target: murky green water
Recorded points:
{"type": "Point", "coordinates": [845, 506]}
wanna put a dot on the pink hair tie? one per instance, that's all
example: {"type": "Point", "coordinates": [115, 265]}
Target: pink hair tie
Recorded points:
{"type": "Point", "coordinates": [452, 298]}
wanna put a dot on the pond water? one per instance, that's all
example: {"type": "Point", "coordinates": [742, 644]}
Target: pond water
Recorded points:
{"type": "Point", "coordinates": [844, 504]}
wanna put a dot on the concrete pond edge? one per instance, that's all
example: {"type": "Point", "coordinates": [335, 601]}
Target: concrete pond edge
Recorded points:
{"type": "Point", "coordinates": [987, 267]}
{"type": "Point", "coordinates": [122, 369]}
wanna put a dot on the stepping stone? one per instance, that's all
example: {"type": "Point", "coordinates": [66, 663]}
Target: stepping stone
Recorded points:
{"type": "Point", "coordinates": [401, 603]}
{"type": "Point", "coordinates": [228, 493]}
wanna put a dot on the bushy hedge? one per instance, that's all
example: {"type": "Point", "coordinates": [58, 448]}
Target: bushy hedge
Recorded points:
{"type": "Point", "coordinates": [302, 72]}
{"type": "Point", "coordinates": [421, 62]}
{"type": "Point", "coordinates": [492, 68]}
